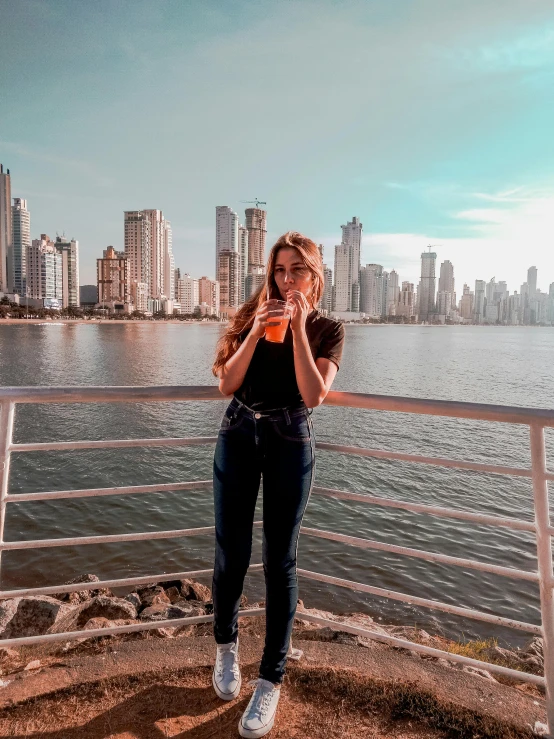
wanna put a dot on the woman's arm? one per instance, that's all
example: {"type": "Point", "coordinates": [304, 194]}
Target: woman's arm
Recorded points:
{"type": "Point", "coordinates": [314, 378]}
{"type": "Point", "coordinates": [233, 373]}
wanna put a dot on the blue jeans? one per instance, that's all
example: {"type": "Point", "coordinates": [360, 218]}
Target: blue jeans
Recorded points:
{"type": "Point", "coordinates": [278, 445]}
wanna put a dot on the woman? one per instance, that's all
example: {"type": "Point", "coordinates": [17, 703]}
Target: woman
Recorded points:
{"type": "Point", "coordinates": [267, 432]}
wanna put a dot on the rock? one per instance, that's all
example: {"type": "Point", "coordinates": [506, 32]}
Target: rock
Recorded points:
{"type": "Point", "coordinates": [8, 610]}
{"type": "Point", "coordinates": [33, 616]}
{"type": "Point", "coordinates": [81, 596]}
{"type": "Point", "coordinates": [163, 612]}
{"type": "Point", "coordinates": [192, 590]}
{"type": "Point", "coordinates": [479, 672]}
{"type": "Point", "coordinates": [152, 595]}
{"type": "Point", "coordinates": [134, 600]}
{"type": "Point", "coordinates": [102, 606]}
{"type": "Point", "coordinates": [8, 655]}
{"type": "Point", "coordinates": [34, 665]}
{"type": "Point", "coordinates": [535, 649]}
{"type": "Point", "coordinates": [174, 594]}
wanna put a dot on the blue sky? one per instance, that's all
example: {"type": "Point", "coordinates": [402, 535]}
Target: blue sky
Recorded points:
{"type": "Point", "coordinates": [431, 120]}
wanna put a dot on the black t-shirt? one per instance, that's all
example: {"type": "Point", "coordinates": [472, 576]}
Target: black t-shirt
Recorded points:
{"type": "Point", "coordinates": [270, 380]}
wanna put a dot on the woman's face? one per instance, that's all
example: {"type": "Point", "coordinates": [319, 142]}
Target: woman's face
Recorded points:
{"type": "Point", "coordinates": [291, 273]}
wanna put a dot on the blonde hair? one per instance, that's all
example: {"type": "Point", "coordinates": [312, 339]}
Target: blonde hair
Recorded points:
{"type": "Point", "coordinates": [244, 318]}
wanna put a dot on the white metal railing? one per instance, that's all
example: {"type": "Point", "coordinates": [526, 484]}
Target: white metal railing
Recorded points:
{"type": "Point", "coordinates": [535, 419]}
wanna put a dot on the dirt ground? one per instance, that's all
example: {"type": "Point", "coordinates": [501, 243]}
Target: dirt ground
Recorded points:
{"type": "Point", "coordinates": [184, 706]}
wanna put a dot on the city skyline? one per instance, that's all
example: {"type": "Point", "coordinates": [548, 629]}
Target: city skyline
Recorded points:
{"type": "Point", "coordinates": [446, 140]}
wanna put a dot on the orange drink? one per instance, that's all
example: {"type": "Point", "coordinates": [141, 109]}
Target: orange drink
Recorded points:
{"type": "Point", "coordinates": [279, 313]}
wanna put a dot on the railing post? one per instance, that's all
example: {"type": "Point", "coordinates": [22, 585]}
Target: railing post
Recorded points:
{"type": "Point", "coordinates": [544, 559]}
{"type": "Point", "coordinates": [7, 411]}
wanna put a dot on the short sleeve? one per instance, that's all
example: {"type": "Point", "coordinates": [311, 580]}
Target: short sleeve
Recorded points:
{"type": "Point", "coordinates": [332, 343]}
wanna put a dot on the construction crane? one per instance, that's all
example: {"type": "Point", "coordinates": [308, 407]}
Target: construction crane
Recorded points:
{"type": "Point", "coordinates": [258, 202]}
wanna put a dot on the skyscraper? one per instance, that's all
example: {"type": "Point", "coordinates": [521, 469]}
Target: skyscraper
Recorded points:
{"type": "Point", "coordinates": [113, 281]}
{"type": "Point", "coordinates": [21, 240]}
{"type": "Point", "coordinates": [187, 294]}
{"type": "Point", "coordinates": [406, 302]}
{"type": "Point", "coordinates": [326, 302]}
{"type": "Point", "coordinates": [208, 294]}
{"type": "Point", "coordinates": [226, 231]}
{"type": "Point", "coordinates": [373, 290]}
{"type": "Point", "coordinates": [243, 251]}
{"type": "Point", "coordinates": [6, 232]}
{"type": "Point", "coordinates": [479, 301]}
{"type": "Point", "coordinates": [149, 250]}
{"type": "Point", "coordinates": [393, 293]}
{"type": "Point", "coordinates": [446, 282]}
{"type": "Point", "coordinates": [466, 303]}
{"type": "Point", "coordinates": [256, 225]}
{"type": "Point", "coordinates": [426, 288]}
{"type": "Point", "coordinates": [44, 270]}
{"type": "Point", "coordinates": [532, 281]}
{"type": "Point", "coordinates": [347, 267]}
{"type": "Point", "coordinates": [229, 283]}
{"type": "Point", "coordinates": [69, 251]}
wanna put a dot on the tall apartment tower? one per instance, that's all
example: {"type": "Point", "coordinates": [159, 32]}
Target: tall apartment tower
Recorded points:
{"type": "Point", "coordinates": [479, 301]}
{"type": "Point", "coordinates": [406, 302]}
{"type": "Point", "coordinates": [187, 294]}
{"type": "Point", "coordinates": [228, 260]}
{"type": "Point", "coordinates": [243, 251]}
{"type": "Point", "coordinates": [149, 250]}
{"type": "Point", "coordinates": [44, 270]}
{"type": "Point", "coordinates": [393, 293]}
{"type": "Point", "coordinates": [256, 225]}
{"type": "Point", "coordinates": [466, 303]}
{"type": "Point", "coordinates": [326, 302]}
{"type": "Point", "coordinates": [21, 240]}
{"type": "Point", "coordinates": [426, 288]}
{"type": "Point", "coordinates": [209, 295]}
{"type": "Point", "coordinates": [347, 267]}
{"type": "Point", "coordinates": [532, 282]}
{"type": "Point", "coordinates": [373, 290]}
{"type": "Point", "coordinates": [69, 251]}
{"type": "Point", "coordinates": [446, 281]}
{"type": "Point", "coordinates": [114, 285]}
{"type": "Point", "coordinates": [6, 231]}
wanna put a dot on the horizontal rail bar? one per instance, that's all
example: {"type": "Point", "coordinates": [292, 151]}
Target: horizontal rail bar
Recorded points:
{"type": "Point", "coordinates": [118, 583]}
{"type": "Point", "coordinates": [111, 394]}
{"type": "Point", "coordinates": [479, 518]}
{"type": "Point", "coordinates": [424, 602]}
{"type": "Point", "coordinates": [169, 393]}
{"type": "Point", "coordinates": [420, 554]}
{"type": "Point", "coordinates": [412, 646]}
{"type": "Point", "coordinates": [60, 446]}
{"type": "Point", "coordinates": [97, 492]}
{"type": "Point", "coordinates": [128, 629]}
{"type": "Point", "coordinates": [448, 408]}
{"type": "Point", "coordinates": [109, 539]}
{"type": "Point", "coordinates": [438, 461]}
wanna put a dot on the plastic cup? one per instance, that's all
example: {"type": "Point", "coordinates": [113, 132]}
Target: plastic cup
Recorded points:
{"type": "Point", "coordinates": [280, 313]}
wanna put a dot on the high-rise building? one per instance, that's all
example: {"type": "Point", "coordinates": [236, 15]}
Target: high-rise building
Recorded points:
{"type": "Point", "coordinates": [149, 250]}
{"type": "Point", "coordinates": [406, 301]}
{"type": "Point", "coordinates": [44, 270]}
{"type": "Point", "coordinates": [256, 225]}
{"type": "Point", "coordinates": [532, 281]}
{"type": "Point", "coordinates": [243, 251]}
{"type": "Point", "coordinates": [209, 293]}
{"type": "Point", "coordinates": [426, 288]}
{"type": "Point", "coordinates": [69, 251]}
{"type": "Point", "coordinates": [6, 230]}
{"type": "Point", "coordinates": [373, 290]}
{"type": "Point", "coordinates": [114, 285]}
{"type": "Point", "coordinates": [254, 280]}
{"type": "Point", "coordinates": [393, 293]}
{"type": "Point", "coordinates": [226, 231]}
{"type": "Point", "coordinates": [466, 303]}
{"type": "Point", "coordinates": [139, 295]}
{"type": "Point", "coordinates": [187, 294]}
{"type": "Point", "coordinates": [326, 302]}
{"type": "Point", "coordinates": [176, 278]}
{"type": "Point", "coordinates": [446, 283]}
{"type": "Point", "coordinates": [444, 303]}
{"type": "Point", "coordinates": [229, 279]}
{"type": "Point", "coordinates": [479, 301]}
{"type": "Point", "coordinates": [347, 267]}
{"type": "Point", "coordinates": [21, 240]}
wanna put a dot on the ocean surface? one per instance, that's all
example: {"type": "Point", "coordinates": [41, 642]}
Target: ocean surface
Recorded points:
{"type": "Point", "coordinates": [512, 366]}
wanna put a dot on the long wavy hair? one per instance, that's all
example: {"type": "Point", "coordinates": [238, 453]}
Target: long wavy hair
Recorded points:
{"type": "Point", "coordinates": [244, 318]}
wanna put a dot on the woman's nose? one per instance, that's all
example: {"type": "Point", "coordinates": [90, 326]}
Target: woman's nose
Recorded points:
{"type": "Point", "coordinates": [288, 278]}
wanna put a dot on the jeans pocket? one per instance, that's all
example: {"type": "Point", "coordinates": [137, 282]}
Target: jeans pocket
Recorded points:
{"type": "Point", "coordinates": [231, 421]}
{"type": "Point", "coordinates": [297, 430]}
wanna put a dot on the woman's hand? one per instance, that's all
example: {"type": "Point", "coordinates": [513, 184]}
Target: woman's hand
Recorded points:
{"type": "Point", "coordinates": [261, 319]}
{"type": "Point", "coordinates": [300, 310]}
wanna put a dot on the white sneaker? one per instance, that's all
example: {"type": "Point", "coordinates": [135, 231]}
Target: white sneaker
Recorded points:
{"type": "Point", "coordinates": [259, 715]}
{"type": "Point", "coordinates": [226, 677]}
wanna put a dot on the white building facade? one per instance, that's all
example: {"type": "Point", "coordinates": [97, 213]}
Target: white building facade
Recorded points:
{"type": "Point", "coordinates": [21, 240]}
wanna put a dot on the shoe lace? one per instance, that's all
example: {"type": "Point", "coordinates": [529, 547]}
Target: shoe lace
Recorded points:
{"type": "Point", "coordinates": [260, 700]}
{"type": "Point", "coordinates": [227, 662]}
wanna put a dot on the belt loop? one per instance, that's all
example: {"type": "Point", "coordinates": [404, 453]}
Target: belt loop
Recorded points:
{"type": "Point", "coordinates": [287, 417]}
